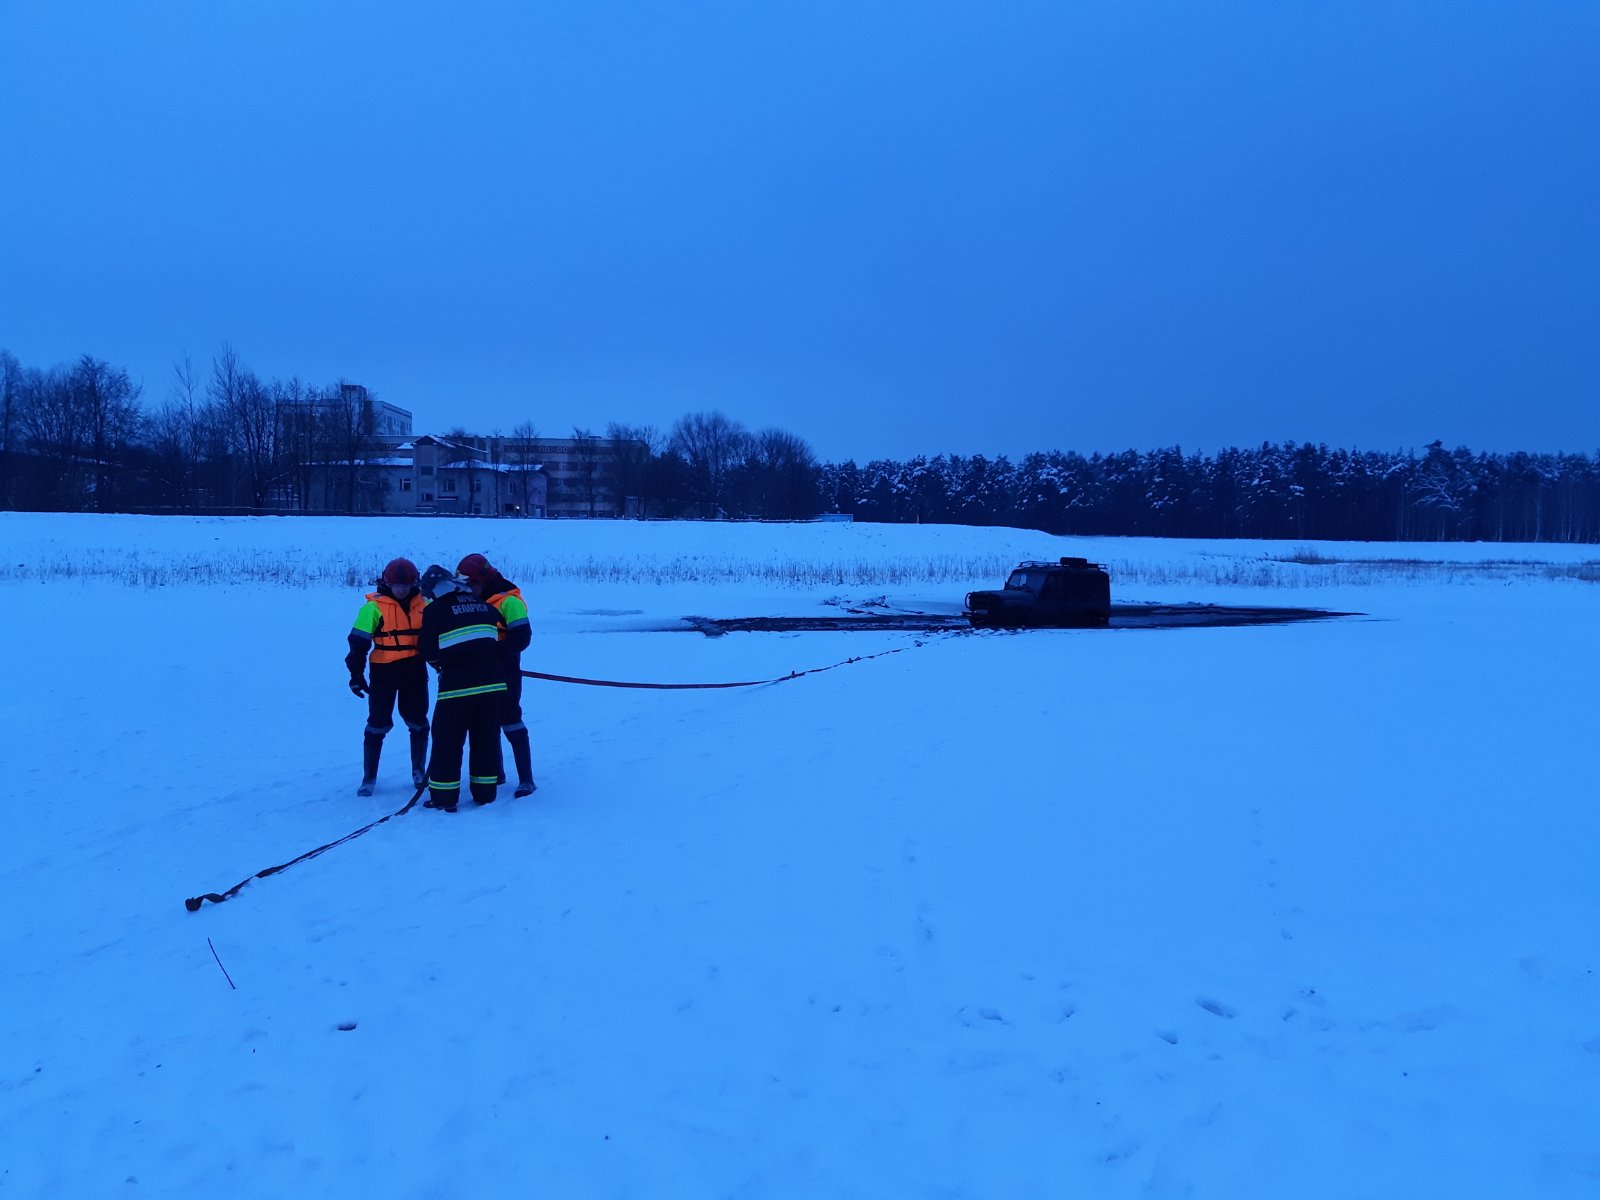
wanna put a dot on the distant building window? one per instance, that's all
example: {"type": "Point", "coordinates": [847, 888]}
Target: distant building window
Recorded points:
{"type": "Point", "coordinates": [449, 485]}
{"type": "Point", "coordinates": [427, 497]}
{"type": "Point", "coordinates": [405, 485]}
{"type": "Point", "coordinates": [427, 470]}
{"type": "Point", "coordinates": [477, 486]}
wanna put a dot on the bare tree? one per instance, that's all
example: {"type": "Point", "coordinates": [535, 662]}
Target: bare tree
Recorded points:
{"type": "Point", "coordinates": [783, 476]}
{"type": "Point", "coordinates": [629, 450]}
{"type": "Point", "coordinates": [304, 439]}
{"type": "Point", "coordinates": [10, 392]}
{"type": "Point", "coordinates": [525, 462]}
{"type": "Point", "coordinates": [348, 423]}
{"type": "Point", "coordinates": [51, 426]}
{"type": "Point", "coordinates": [586, 456]}
{"type": "Point", "coordinates": [249, 418]}
{"type": "Point", "coordinates": [107, 402]}
{"type": "Point", "coordinates": [463, 442]}
{"type": "Point", "coordinates": [180, 434]}
{"type": "Point", "coordinates": [497, 450]}
{"type": "Point", "coordinates": [711, 445]}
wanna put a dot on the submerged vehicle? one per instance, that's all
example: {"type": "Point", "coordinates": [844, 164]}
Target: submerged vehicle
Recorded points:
{"type": "Point", "coordinates": [1071, 591]}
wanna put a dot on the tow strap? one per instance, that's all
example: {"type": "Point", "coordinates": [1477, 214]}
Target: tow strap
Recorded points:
{"type": "Point", "coordinates": [617, 683]}
{"type": "Point", "coordinates": [193, 903]}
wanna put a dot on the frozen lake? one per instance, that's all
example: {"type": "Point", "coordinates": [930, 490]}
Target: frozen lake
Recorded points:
{"type": "Point", "coordinates": [1291, 910]}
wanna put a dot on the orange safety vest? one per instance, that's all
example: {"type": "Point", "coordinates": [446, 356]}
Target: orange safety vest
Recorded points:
{"type": "Point", "coordinates": [396, 638]}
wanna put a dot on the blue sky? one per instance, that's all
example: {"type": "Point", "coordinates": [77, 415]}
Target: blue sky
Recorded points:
{"type": "Point", "coordinates": [894, 228]}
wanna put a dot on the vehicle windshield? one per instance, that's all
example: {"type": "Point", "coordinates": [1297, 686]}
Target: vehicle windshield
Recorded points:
{"type": "Point", "coordinates": [1025, 581]}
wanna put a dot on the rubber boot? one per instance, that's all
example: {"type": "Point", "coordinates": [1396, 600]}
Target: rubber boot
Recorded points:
{"type": "Point", "coordinates": [442, 799]}
{"type": "Point", "coordinates": [371, 749]}
{"type": "Point", "coordinates": [419, 757]}
{"type": "Point", "coordinates": [523, 755]}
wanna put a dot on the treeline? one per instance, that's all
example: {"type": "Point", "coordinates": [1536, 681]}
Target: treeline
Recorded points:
{"type": "Point", "coordinates": [81, 436]}
{"type": "Point", "coordinates": [77, 437]}
{"type": "Point", "coordinates": [1293, 490]}
{"type": "Point", "coordinates": [710, 465]}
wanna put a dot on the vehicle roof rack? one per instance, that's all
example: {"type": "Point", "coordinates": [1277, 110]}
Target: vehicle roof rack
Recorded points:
{"type": "Point", "coordinates": [1081, 564]}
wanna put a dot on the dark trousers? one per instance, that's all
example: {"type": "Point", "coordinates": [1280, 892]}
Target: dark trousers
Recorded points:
{"type": "Point", "coordinates": [473, 721]}
{"type": "Point", "coordinates": [405, 681]}
{"type": "Point", "coordinates": [511, 724]}
{"type": "Point", "coordinates": [511, 698]}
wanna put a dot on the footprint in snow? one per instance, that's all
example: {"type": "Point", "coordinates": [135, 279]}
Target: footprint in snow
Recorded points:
{"type": "Point", "coordinates": [1217, 1009]}
{"type": "Point", "coordinates": [1121, 1152]}
{"type": "Point", "coordinates": [974, 1018]}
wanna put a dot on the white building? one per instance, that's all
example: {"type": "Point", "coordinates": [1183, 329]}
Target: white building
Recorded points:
{"type": "Point", "coordinates": [437, 475]}
{"type": "Point", "coordinates": [484, 476]}
{"type": "Point", "coordinates": [463, 475]}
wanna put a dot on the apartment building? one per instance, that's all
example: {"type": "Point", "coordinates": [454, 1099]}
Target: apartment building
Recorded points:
{"type": "Point", "coordinates": [471, 476]}
{"type": "Point", "coordinates": [446, 476]}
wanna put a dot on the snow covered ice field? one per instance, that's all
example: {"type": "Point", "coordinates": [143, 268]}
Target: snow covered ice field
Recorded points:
{"type": "Point", "coordinates": [1293, 911]}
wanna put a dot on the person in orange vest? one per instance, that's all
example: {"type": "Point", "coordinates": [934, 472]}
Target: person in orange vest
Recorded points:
{"type": "Point", "coordinates": [389, 625]}
{"type": "Point", "coordinates": [495, 590]}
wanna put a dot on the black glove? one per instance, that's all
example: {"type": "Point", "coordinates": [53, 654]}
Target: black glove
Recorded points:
{"type": "Point", "coordinates": [358, 685]}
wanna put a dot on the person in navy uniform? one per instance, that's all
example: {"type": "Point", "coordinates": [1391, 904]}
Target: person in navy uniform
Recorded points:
{"type": "Point", "coordinates": [494, 588]}
{"type": "Point", "coordinates": [461, 640]}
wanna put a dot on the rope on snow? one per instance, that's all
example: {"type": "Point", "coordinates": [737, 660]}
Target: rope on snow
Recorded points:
{"type": "Point", "coordinates": [193, 903]}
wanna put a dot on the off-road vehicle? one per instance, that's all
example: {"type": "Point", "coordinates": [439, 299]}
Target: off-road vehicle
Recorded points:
{"type": "Point", "coordinates": [1072, 591]}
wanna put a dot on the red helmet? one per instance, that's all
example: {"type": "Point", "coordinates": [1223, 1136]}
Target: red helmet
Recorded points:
{"type": "Point", "coordinates": [400, 570]}
{"type": "Point", "coordinates": [476, 568]}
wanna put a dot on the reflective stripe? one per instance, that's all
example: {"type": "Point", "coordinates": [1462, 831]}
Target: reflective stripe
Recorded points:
{"type": "Point", "coordinates": [357, 631]}
{"type": "Point", "coordinates": [440, 785]}
{"type": "Point", "coordinates": [380, 730]}
{"type": "Point", "coordinates": [485, 778]}
{"type": "Point", "coordinates": [472, 691]}
{"type": "Point", "coordinates": [467, 633]}
{"type": "Point", "coordinates": [519, 727]}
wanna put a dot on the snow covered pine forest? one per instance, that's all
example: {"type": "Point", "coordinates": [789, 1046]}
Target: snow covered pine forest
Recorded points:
{"type": "Point", "coordinates": [1305, 910]}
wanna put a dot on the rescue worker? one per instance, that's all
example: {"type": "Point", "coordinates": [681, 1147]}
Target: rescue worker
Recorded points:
{"type": "Point", "coordinates": [461, 640]}
{"type": "Point", "coordinates": [495, 589]}
{"type": "Point", "coordinates": [388, 625]}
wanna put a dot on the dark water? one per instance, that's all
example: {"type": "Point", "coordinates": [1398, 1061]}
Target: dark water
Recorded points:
{"type": "Point", "coordinates": [1123, 616]}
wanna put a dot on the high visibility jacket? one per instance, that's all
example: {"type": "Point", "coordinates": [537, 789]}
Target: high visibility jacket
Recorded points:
{"type": "Point", "coordinates": [507, 598]}
{"type": "Point", "coordinates": [461, 637]}
{"type": "Point", "coordinates": [392, 627]}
